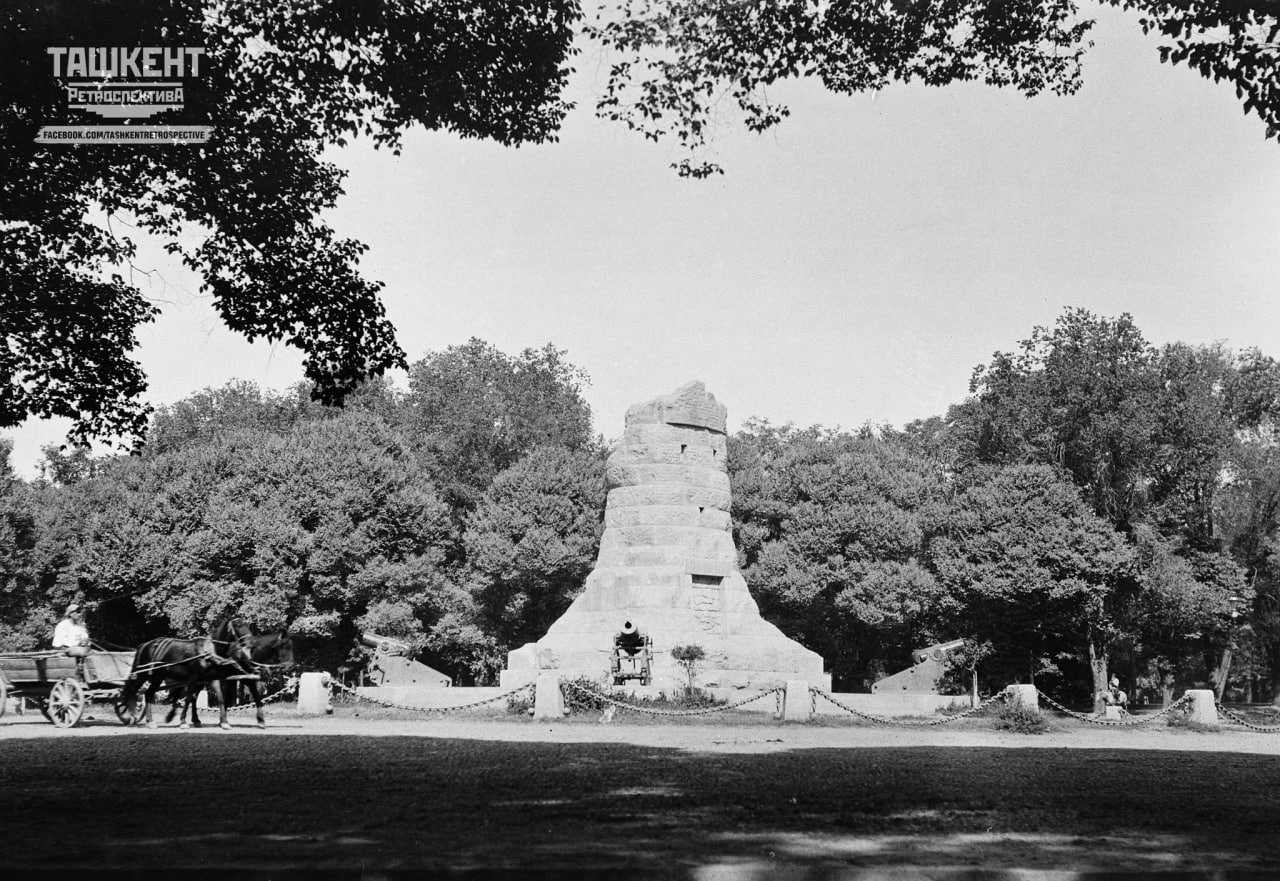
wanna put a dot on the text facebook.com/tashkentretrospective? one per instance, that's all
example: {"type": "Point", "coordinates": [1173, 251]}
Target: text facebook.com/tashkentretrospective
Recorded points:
{"type": "Point", "coordinates": [127, 85]}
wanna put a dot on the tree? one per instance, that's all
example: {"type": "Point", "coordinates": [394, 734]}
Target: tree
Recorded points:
{"type": "Point", "coordinates": [675, 61]}
{"type": "Point", "coordinates": [280, 84]}
{"type": "Point", "coordinates": [831, 531]}
{"type": "Point", "coordinates": [328, 527]}
{"type": "Point", "coordinates": [1083, 396]}
{"type": "Point", "coordinates": [531, 543]}
{"type": "Point", "coordinates": [240, 406]}
{"type": "Point", "coordinates": [1027, 567]}
{"type": "Point", "coordinates": [475, 411]}
{"type": "Point", "coordinates": [1249, 515]}
{"type": "Point", "coordinates": [1177, 619]}
{"type": "Point", "coordinates": [1148, 435]}
{"type": "Point", "coordinates": [17, 540]}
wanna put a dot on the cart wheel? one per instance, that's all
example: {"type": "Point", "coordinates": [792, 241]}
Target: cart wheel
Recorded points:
{"type": "Point", "coordinates": [66, 703]}
{"type": "Point", "coordinates": [131, 713]}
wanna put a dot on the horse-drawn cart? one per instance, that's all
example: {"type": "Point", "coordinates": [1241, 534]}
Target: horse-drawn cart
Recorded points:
{"type": "Point", "coordinates": [51, 680]}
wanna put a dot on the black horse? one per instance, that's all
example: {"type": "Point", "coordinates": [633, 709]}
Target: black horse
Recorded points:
{"type": "Point", "coordinates": [187, 664]}
{"type": "Point", "coordinates": [256, 654]}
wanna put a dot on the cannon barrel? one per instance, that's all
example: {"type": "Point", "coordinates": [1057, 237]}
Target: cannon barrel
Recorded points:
{"type": "Point", "coordinates": [937, 651]}
{"type": "Point", "coordinates": [385, 644]}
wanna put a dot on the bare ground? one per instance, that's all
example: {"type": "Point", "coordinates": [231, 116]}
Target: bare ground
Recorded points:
{"type": "Point", "coordinates": [723, 797]}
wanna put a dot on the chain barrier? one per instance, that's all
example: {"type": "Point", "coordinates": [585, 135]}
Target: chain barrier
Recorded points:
{"type": "Point", "coordinates": [882, 720]}
{"type": "Point", "coordinates": [1241, 720]}
{"type": "Point", "coordinates": [705, 711]}
{"type": "Point", "coordinates": [338, 686]}
{"type": "Point", "coordinates": [1095, 719]}
{"type": "Point", "coordinates": [290, 687]}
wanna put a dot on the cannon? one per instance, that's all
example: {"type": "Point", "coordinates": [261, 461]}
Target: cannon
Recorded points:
{"type": "Point", "coordinates": [928, 666]}
{"type": "Point", "coordinates": [632, 656]}
{"type": "Point", "coordinates": [391, 664]}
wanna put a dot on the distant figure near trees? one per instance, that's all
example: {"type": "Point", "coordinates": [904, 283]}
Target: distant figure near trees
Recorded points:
{"type": "Point", "coordinates": [1113, 696]}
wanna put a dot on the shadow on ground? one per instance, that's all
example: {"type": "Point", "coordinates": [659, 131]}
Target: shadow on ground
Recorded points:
{"type": "Point", "coordinates": [407, 808]}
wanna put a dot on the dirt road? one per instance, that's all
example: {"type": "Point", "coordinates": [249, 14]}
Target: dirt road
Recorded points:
{"type": "Point", "coordinates": [711, 799]}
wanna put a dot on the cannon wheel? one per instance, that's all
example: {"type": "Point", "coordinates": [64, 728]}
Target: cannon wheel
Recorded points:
{"type": "Point", "coordinates": [66, 703]}
{"type": "Point", "coordinates": [131, 713]}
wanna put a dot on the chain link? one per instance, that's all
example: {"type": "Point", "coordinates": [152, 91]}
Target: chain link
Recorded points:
{"type": "Point", "coordinates": [1116, 723]}
{"type": "Point", "coordinates": [292, 684]}
{"type": "Point", "coordinates": [290, 687]}
{"type": "Point", "coordinates": [705, 711]}
{"type": "Point", "coordinates": [882, 720]}
{"type": "Point", "coordinates": [395, 706]}
{"type": "Point", "coordinates": [1240, 720]}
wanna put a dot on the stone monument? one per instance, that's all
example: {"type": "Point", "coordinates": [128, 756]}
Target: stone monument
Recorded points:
{"type": "Point", "coordinates": [668, 564]}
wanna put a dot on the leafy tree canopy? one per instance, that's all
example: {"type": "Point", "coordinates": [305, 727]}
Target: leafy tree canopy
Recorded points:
{"type": "Point", "coordinates": [279, 83]}
{"type": "Point", "coordinates": [1026, 565]}
{"type": "Point", "coordinates": [1144, 431]}
{"type": "Point", "coordinates": [832, 530]}
{"type": "Point", "coordinates": [676, 61]}
{"type": "Point", "coordinates": [475, 411]}
{"type": "Point", "coordinates": [532, 541]}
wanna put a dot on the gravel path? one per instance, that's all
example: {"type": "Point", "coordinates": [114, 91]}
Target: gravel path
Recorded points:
{"type": "Point", "coordinates": [712, 798]}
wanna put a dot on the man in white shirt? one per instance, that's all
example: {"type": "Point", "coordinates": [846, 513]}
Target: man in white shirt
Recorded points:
{"type": "Point", "coordinates": [71, 636]}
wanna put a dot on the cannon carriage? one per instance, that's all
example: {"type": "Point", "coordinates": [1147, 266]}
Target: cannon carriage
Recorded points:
{"type": "Point", "coordinates": [632, 656]}
{"type": "Point", "coordinates": [61, 691]}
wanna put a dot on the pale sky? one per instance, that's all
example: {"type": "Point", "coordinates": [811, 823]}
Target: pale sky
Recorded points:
{"type": "Point", "coordinates": [852, 266]}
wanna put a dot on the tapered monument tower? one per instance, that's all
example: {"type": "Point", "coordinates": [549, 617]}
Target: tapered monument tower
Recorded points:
{"type": "Point", "coordinates": [668, 564]}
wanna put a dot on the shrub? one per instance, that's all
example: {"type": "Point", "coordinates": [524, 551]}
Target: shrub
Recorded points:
{"type": "Point", "coordinates": [578, 700]}
{"type": "Point", "coordinates": [688, 656]}
{"type": "Point", "coordinates": [520, 704]}
{"type": "Point", "coordinates": [1017, 716]}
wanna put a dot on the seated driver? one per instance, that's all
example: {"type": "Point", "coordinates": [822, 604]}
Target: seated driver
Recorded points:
{"type": "Point", "coordinates": [71, 636]}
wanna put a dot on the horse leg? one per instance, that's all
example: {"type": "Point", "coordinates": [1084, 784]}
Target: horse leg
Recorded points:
{"type": "Point", "coordinates": [153, 685]}
{"type": "Point", "coordinates": [193, 688]}
{"type": "Point", "coordinates": [223, 700]}
{"type": "Point", "coordinates": [257, 701]}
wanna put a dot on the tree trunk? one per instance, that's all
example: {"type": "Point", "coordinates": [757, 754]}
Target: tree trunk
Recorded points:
{"type": "Point", "coordinates": [973, 700]}
{"type": "Point", "coordinates": [1098, 667]}
{"type": "Point", "coordinates": [1221, 673]}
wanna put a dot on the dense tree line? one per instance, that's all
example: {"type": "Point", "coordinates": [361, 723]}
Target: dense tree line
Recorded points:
{"type": "Point", "coordinates": [1096, 505]}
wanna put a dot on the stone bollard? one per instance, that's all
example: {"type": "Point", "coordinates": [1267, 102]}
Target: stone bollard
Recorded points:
{"type": "Point", "coordinates": [1204, 708]}
{"type": "Point", "coordinates": [1112, 713]}
{"type": "Point", "coordinates": [1025, 695]}
{"type": "Point", "coordinates": [548, 700]}
{"type": "Point", "coordinates": [797, 705]}
{"type": "Point", "coordinates": [313, 694]}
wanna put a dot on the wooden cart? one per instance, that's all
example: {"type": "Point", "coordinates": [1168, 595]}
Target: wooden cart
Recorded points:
{"type": "Point", "coordinates": [51, 680]}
